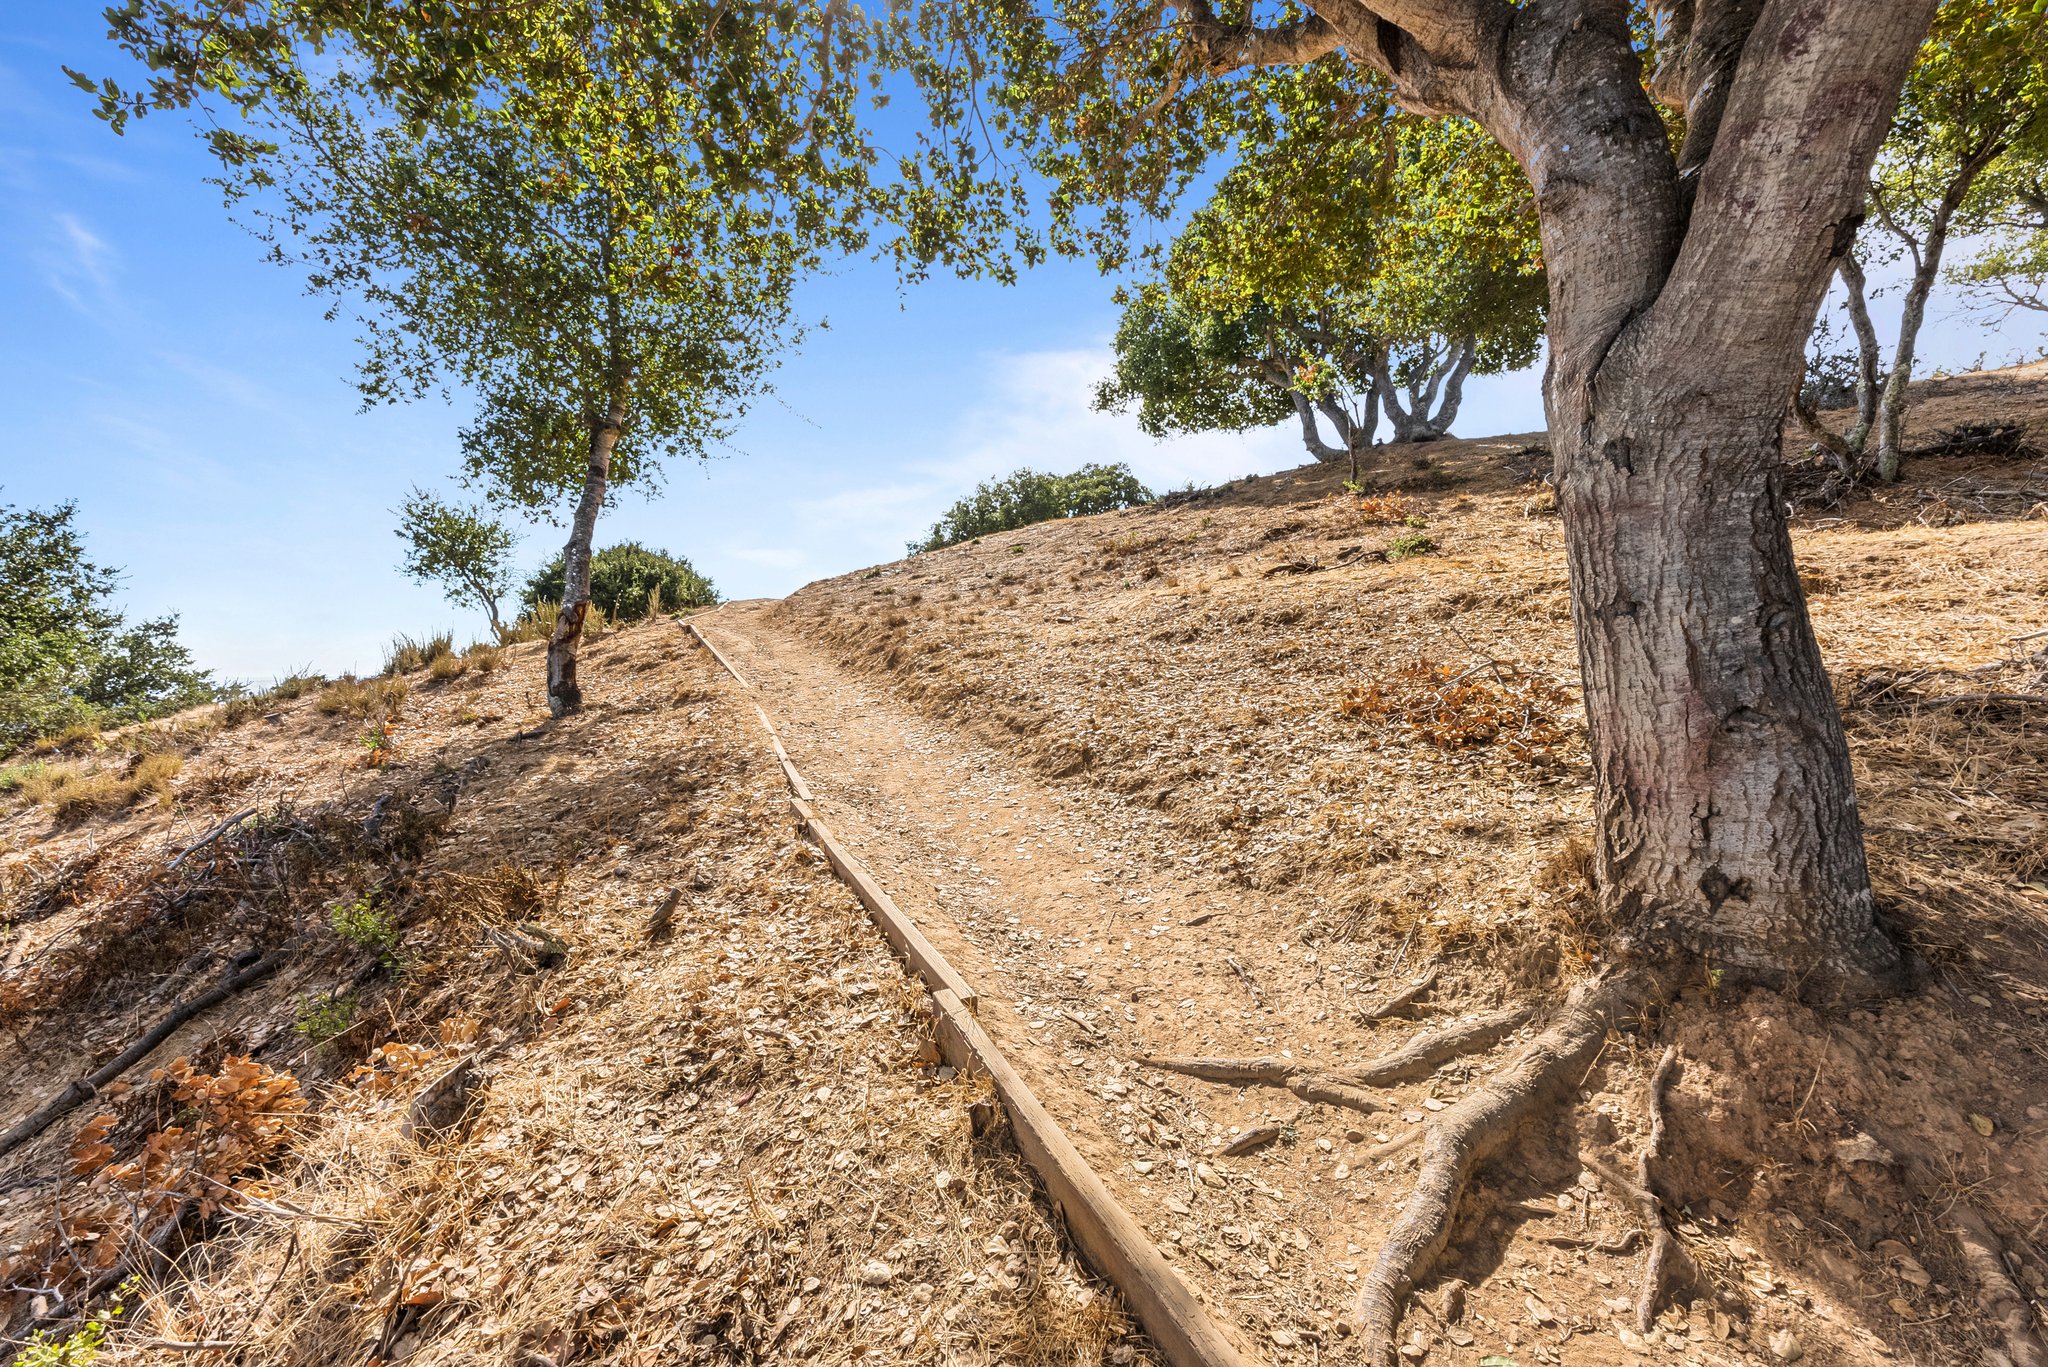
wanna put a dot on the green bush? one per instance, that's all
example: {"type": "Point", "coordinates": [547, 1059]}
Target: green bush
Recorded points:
{"type": "Point", "coordinates": [1410, 543]}
{"type": "Point", "coordinates": [628, 581]}
{"type": "Point", "coordinates": [1027, 496]}
{"type": "Point", "coordinates": [323, 1018]}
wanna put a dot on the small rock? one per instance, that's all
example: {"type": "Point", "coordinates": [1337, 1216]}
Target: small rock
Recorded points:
{"type": "Point", "coordinates": [1539, 1313]}
{"type": "Point", "coordinates": [1982, 1124]}
{"type": "Point", "coordinates": [1784, 1345]}
{"type": "Point", "coordinates": [875, 1272]}
{"type": "Point", "coordinates": [1863, 1149]}
{"type": "Point", "coordinates": [1285, 1338]}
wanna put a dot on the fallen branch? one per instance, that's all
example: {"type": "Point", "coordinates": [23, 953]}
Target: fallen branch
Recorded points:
{"type": "Point", "coordinates": [85, 1087]}
{"type": "Point", "coordinates": [216, 833]}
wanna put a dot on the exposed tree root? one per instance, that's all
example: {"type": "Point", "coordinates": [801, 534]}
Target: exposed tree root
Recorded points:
{"type": "Point", "coordinates": [1397, 1001]}
{"type": "Point", "coordinates": [1347, 1087]}
{"type": "Point", "coordinates": [1663, 1244]}
{"type": "Point", "coordinates": [1998, 1300]}
{"type": "Point", "coordinates": [1457, 1139]}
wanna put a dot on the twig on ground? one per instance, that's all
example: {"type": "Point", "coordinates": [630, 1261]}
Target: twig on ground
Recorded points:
{"type": "Point", "coordinates": [1397, 1001]}
{"type": "Point", "coordinates": [216, 833]}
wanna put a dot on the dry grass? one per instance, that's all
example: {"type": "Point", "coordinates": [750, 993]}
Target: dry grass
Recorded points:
{"type": "Point", "coordinates": [692, 1149]}
{"type": "Point", "coordinates": [408, 654]}
{"type": "Point", "coordinates": [484, 658]}
{"type": "Point", "coordinates": [361, 698]}
{"type": "Point", "coordinates": [447, 667]}
{"type": "Point", "coordinates": [73, 792]}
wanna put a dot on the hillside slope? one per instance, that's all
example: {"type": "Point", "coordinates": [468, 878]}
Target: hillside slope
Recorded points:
{"type": "Point", "coordinates": [1217, 777]}
{"type": "Point", "coordinates": [1359, 764]}
{"type": "Point", "coordinates": [723, 1142]}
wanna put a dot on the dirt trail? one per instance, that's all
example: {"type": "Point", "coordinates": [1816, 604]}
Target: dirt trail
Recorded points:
{"type": "Point", "coordinates": [1071, 919]}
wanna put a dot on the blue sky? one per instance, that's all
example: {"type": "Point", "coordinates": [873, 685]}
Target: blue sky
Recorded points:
{"type": "Point", "coordinates": [192, 400]}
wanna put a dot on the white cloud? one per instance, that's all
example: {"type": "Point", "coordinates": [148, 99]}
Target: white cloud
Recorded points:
{"type": "Point", "coordinates": [78, 263]}
{"type": "Point", "coordinates": [1041, 415]}
{"type": "Point", "coordinates": [1037, 413]}
{"type": "Point", "coordinates": [774, 557]}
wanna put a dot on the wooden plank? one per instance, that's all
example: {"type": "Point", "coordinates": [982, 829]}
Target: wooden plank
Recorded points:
{"type": "Point", "coordinates": [1108, 1237]}
{"type": "Point", "coordinates": [796, 780]}
{"type": "Point", "coordinates": [900, 930]}
{"type": "Point", "coordinates": [716, 653]}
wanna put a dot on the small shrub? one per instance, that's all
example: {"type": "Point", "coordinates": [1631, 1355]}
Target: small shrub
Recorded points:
{"type": "Point", "coordinates": [1408, 544]}
{"type": "Point", "coordinates": [537, 623]}
{"type": "Point", "coordinates": [154, 774]}
{"type": "Point", "coordinates": [79, 735]}
{"type": "Point", "coordinates": [323, 1018]}
{"type": "Point", "coordinates": [483, 658]}
{"type": "Point", "coordinates": [366, 925]}
{"type": "Point", "coordinates": [446, 667]}
{"type": "Point", "coordinates": [1386, 509]}
{"type": "Point", "coordinates": [1030, 496]}
{"type": "Point", "coordinates": [407, 654]}
{"type": "Point", "coordinates": [296, 684]}
{"type": "Point", "coordinates": [241, 706]}
{"type": "Point", "coordinates": [362, 698]}
{"type": "Point", "coordinates": [381, 743]}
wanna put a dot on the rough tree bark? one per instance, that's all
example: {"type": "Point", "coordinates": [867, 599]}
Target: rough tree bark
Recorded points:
{"type": "Point", "coordinates": [564, 695]}
{"type": "Point", "coordinates": [1681, 292]}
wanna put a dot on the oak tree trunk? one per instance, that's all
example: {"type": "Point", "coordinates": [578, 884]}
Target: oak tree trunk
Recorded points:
{"type": "Point", "coordinates": [564, 695]}
{"type": "Point", "coordinates": [1728, 839]}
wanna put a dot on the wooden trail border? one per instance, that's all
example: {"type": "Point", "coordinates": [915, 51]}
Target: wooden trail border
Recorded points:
{"type": "Point", "coordinates": [1114, 1243]}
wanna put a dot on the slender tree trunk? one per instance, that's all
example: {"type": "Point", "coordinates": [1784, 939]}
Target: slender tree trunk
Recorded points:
{"type": "Point", "coordinates": [1891, 413]}
{"type": "Point", "coordinates": [1869, 360]}
{"type": "Point", "coordinates": [564, 695]}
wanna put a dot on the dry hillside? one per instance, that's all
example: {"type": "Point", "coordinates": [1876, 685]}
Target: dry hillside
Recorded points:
{"type": "Point", "coordinates": [1219, 777]}
{"type": "Point", "coordinates": [721, 1143]}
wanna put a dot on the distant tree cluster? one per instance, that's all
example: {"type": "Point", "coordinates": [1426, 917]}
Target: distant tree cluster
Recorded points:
{"type": "Point", "coordinates": [628, 582]}
{"type": "Point", "coordinates": [1027, 496]}
{"type": "Point", "coordinates": [67, 658]}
